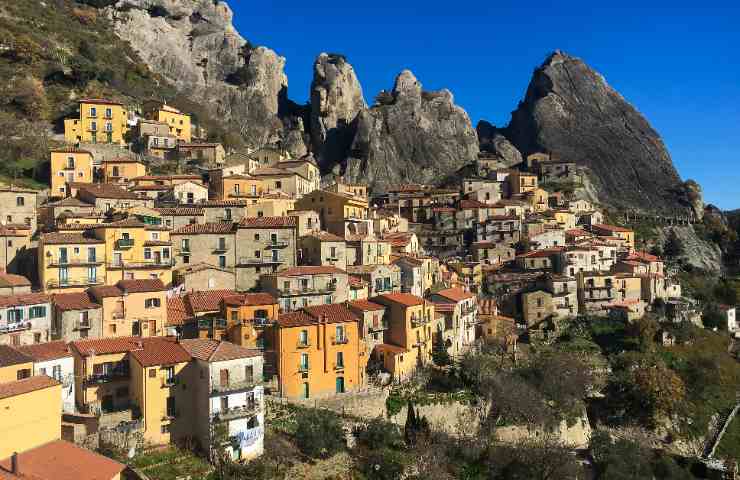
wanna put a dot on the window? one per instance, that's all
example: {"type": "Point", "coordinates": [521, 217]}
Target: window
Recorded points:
{"type": "Point", "coordinates": [304, 361]}
{"type": "Point", "coordinates": [166, 253]}
{"type": "Point", "coordinates": [186, 259]}
{"type": "Point", "coordinates": [340, 359]}
{"type": "Point", "coordinates": [256, 237]}
{"type": "Point", "coordinates": [152, 303]}
{"type": "Point", "coordinates": [37, 312]}
{"type": "Point", "coordinates": [185, 244]}
{"type": "Point", "coordinates": [222, 261]}
{"type": "Point", "coordinates": [171, 407]}
{"type": "Point", "coordinates": [278, 185]}
{"type": "Point", "coordinates": [20, 201]}
{"type": "Point", "coordinates": [147, 254]}
{"type": "Point", "coordinates": [303, 340]}
{"type": "Point", "coordinates": [36, 338]}
{"type": "Point", "coordinates": [108, 113]}
{"type": "Point", "coordinates": [93, 112]}
{"type": "Point", "coordinates": [169, 375]}
{"type": "Point", "coordinates": [25, 373]}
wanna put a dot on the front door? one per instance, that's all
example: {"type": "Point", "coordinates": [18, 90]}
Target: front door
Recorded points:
{"type": "Point", "coordinates": [340, 384]}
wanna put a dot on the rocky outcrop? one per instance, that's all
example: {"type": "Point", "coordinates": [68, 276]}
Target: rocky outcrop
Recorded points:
{"type": "Point", "coordinates": [695, 252]}
{"type": "Point", "coordinates": [410, 136]}
{"type": "Point", "coordinates": [570, 110]}
{"type": "Point", "coordinates": [336, 100]}
{"type": "Point", "coordinates": [492, 141]}
{"type": "Point", "coordinates": [194, 46]}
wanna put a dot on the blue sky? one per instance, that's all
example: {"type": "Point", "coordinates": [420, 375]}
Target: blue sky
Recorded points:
{"type": "Point", "coordinates": [680, 66]}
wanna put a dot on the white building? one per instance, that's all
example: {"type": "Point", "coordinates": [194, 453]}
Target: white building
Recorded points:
{"type": "Point", "coordinates": [25, 318]}
{"type": "Point", "coordinates": [460, 311]}
{"type": "Point", "coordinates": [729, 314]}
{"type": "Point", "coordinates": [190, 192]}
{"type": "Point", "coordinates": [55, 360]}
{"type": "Point", "coordinates": [228, 393]}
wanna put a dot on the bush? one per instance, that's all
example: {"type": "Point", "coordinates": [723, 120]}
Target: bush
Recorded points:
{"type": "Point", "coordinates": [384, 464]}
{"type": "Point", "coordinates": [378, 434]}
{"type": "Point", "coordinates": [319, 433]}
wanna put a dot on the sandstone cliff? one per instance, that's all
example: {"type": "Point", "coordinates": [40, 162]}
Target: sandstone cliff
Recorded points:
{"type": "Point", "coordinates": [336, 100]}
{"type": "Point", "coordinates": [410, 136]}
{"type": "Point", "coordinates": [570, 110]}
{"type": "Point", "coordinates": [193, 44]}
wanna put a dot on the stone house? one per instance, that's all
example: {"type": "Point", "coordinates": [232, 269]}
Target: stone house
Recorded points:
{"type": "Point", "coordinates": [19, 208]}
{"type": "Point", "coordinates": [537, 307]}
{"type": "Point", "coordinates": [189, 193]}
{"type": "Point", "coordinates": [107, 197]}
{"type": "Point", "coordinates": [224, 210]}
{"type": "Point", "coordinates": [202, 276]}
{"type": "Point", "coordinates": [76, 316]}
{"type": "Point", "coordinates": [177, 217]}
{"type": "Point", "coordinates": [308, 221]}
{"type": "Point", "coordinates": [548, 239]}
{"type": "Point", "coordinates": [300, 287]}
{"type": "Point", "coordinates": [209, 243]}
{"type": "Point", "coordinates": [15, 248]}
{"type": "Point", "coordinates": [564, 292]}
{"type": "Point", "coordinates": [459, 310]}
{"type": "Point", "coordinates": [490, 253]}
{"type": "Point", "coordinates": [322, 248]}
{"type": "Point", "coordinates": [596, 290]}
{"type": "Point", "coordinates": [264, 245]}
{"type": "Point", "coordinates": [381, 279]}
{"type": "Point", "coordinates": [373, 323]}
{"type": "Point", "coordinates": [11, 284]}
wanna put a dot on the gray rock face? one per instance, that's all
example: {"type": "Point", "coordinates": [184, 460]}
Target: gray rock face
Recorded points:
{"type": "Point", "coordinates": [336, 99]}
{"type": "Point", "coordinates": [410, 136]}
{"type": "Point", "coordinates": [493, 141]}
{"type": "Point", "coordinates": [695, 252]}
{"type": "Point", "coordinates": [570, 110]}
{"type": "Point", "coordinates": [193, 44]}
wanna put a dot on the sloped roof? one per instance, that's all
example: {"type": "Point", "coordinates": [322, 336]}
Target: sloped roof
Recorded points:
{"type": "Point", "coordinates": [405, 299]}
{"type": "Point", "coordinates": [24, 299]}
{"type": "Point", "coordinates": [73, 301]}
{"type": "Point", "coordinates": [217, 351]}
{"type": "Point", "coordinates": [11, 280]}
{"type": "Point", "coordinates": [61, 238]}
{"type": "Point", "coordinates": [366, 305]}
{"type": "Point", "coordinates": [268, 222]}
{"type": "Point", "coordinates": [41, 352]}
{"type": "Point", "coordinates": [205, 228]}
{"type": "Point", "coordinates": [27, 385]}
{"type": "Point", "coordinates": [251, 299]}
{"type": "Point", "coordinates": [309, 270]}
{"type": "Point", "coordinates": [455, 294]}
{"type": "Point", "coordinates": [10, 356]}
{"type": "Point", "coordinates": [160, 351]}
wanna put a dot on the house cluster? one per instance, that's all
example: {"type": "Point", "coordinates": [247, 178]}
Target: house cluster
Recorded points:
{"type": "Point", "coordinates": [168, 306]}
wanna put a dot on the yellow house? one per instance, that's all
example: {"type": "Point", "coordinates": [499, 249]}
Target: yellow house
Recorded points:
{"type": "Point", "coordinates": [407, 342]}
{"type": "Point", "coordinates": [122, 170]}
{"type": "Point", "coordinates": [271, 205]}
{"type": "Point", "coordinates": [157, 387]}
{"type": "Point", "coordinates": [522, 182]}
{"type": "Point", "coordinates": [469, 273]}
{"type": "Point", "coordinates": [135, 250]}
{"type": "Point", "coordinates": [625, 234]}
{"type": "Point", "coordinates": [179, 123]}
{"type": "Point", "coordinates": [99, 121]}
{"type": "Point", "coordinates": [339, 213]}
{"type": "Point", "coordinates": [69, 165]}
{"type": "Point", "coordinates": [132, 307]}
{"type": "Point", "coordinates": [70, 261]}
{"type": "Point", "coordinates": [31, 414]}
{"type": "Point", "coordinates": [14, 365]}
{"type": "Point", "coordinates": [317, 350]}
{"type": "Point", "coordinates": [241, 186]}
{"type": "Point", "coordinates": [248, 316]}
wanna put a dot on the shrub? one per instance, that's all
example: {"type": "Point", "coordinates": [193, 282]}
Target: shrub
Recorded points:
{"type": "Point", "coordinates": [319, 433]}
{"type": "Point", "coordinates": [384, 464]}
{"type": "Point", "coordinates": [378, 433]}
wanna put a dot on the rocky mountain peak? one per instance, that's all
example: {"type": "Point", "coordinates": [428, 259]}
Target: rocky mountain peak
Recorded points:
{"type": "Point", "coordinates": [571, 111]}
{"type": "Point", "coordinates": [406, 85]}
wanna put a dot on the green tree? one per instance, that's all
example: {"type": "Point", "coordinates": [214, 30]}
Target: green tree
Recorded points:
{"type": "Point", "coordinates": [673, 247]}
{"type": "Point", "coordinates": [319, 433]}
{"type": "Point", "coordinates": [439, 351]}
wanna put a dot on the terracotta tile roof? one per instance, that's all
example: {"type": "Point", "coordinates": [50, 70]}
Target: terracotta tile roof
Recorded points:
{"type": "Point", "coordinates": [610, 228]}
{"type": "Point", "coordinates": [205, 228]}
{"type": "Point", "coordinates": [471, 204]}
{"type": "Point", "coordinates": [157, 243]}
{"type": "Point", "coordinates": [225, 203]}
{"type": "Point", "coordinates": [129, 222]}
{"type": "Point", "coordinates": [103, 346]}
{"type": "Point", "coordinates": [334, 313]}
{"type": "Point", "coordinates": [181, 211]}
{"type": "Point", "coordinates": [326, 236]}
{"type": "Point", "coordinates": [61, 460]}
{"type": "Point", "coordinates": [366, 305]}
{"type": "Point", "coordinates": [6, 231]}
{"type": "Point", "coordinates": [152, 188]}
{"type": "Point", "coordinates": [141, 285]}
{"type": "Point", "coordinates": [268, 222]}
{"type": "Point", "coordinates": [24, 299]}
{"type": "Point", "coordinates": [62, 238]}
{"type": "Point", "coordinates": [69, 150]}
{"type": "Point", "coordinates": [121, 160]}
{"type": "Point", "coordinates": [73, 301]}
{"type": "Point", "coordinates": [69, 202]}
{"type": "Point", "coordinates": [367, 269]}
{"type": "Point", "coordinates": [578, 232]}
{"type": "Point", "coordinates": [455, 294]}
{"type": "Point", "coordinates": [160, 351]}
{"type": "Point", "coordinates": [444, 307]}
{"type": "Point", "coordinates": [198, 267]}
{"type": "Point", "coordinates": [405, 299]}
{"type": "Point", "coordinates": [208, 300]}
{"type": "Point", "coordinates": [309, 270]}
{"type": "Point", "coordinates": [104, 291]}
{"type": "Point", "coordinates": [643, 256]}
{"type": "Point", "coordinates": [27, 385]}
{"type": "Point", "coordinates": [41, 352]}
{"type": "Point", "coordinates": [392, 349]}
{"type": "Point", "coordinates": [271, 171]}
{"type": "Point", "coordinates": [11, 280]}
{"type": "Point", "coordinates": [178, 311]}
{"type": "Point", "coordinates": [199, 145]}
{"type": "Point", "coordinates": [10, 356]}
{"type": "Point", "coordinates": [217, 351]}
{"type": "Point", "coordinates": [544, 253]}
{"type": "Point", "coordinates": [107, 190]}
{"type": "Point", "coordinates": [251, 299]}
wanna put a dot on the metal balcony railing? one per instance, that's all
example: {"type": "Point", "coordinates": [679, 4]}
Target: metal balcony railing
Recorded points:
{"type": "Point", "coordinates": [68, 283]}
{"type": "Point", "coordinates": [259, 261]}
{"type": "Point", "coordinates": [207, 323]}
{"type": "Point", "coordinates": [235, 413]}
{"type": "Point", "coordinates": [276, 244]}
{"type": "Point", "coordinates": [124, 243]}
{"type": "Point", "coordinates": [72, 262]}
{"type": "Point", "coordinates": [379, 327]}
{"type": "Point", "coordinates": [343, 340]}
{"type": "Point", "coordinates": [305, 344]}
{"type": "Point", "coordinates": [115, 375]}
{"type": "Point", "coordinates": [246, 384]}
{"type": "Point", "coordinates": [15, 326]}
{"type": "Point", "coordinates": [169, 382]}
{"type": "Point", "coordinates": [303, 368]}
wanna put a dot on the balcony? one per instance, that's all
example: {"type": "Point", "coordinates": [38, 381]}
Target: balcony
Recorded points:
{"type": "Point", "coordinates": [218, 388]}
{"type": "Point", "coordinates": [303, 368]}
{"type": "Point", "coordinates": [287, 292]}
{"type": "Point", "coordinates": [73, 262]}
{"type": "Point", "coordinates": [208, 323]}
{"type": "Point", "coordinates": [101, 378]}
{"type": "Point", "coordinates": [72, 283]}
{"type": "Point", "coordinates": [169, 416]}
{"type": "Point", "coordinates": [302, 345]}
{"type": "Point", "coordinates": [259, 322]}
{"type": "Point", "coordinates": [418, 322]}
{"type": "Point", "coordinates": [82, 325]}
{"type": "Point", "coordinates": [340, 340]}
{"type": "Point", "coordinates": [221, 248]}
{"type": "Point", "coordinates": [169, 382]}
{"type": "Point", "coordinates": [163, 263]}
{"type": "Point", "coordinates": [379, 327]}
{"type": "Point", "coordinates": [243, 261]}
{"type": "Point", "coordinates": [276, 244]}
{"type": "Point", "coordinates": [124, 243]}
{"type": "Point", "coordinates": [235, 413]}
{"type": "Point", "coordinates": [338, 367]}
{"type": "Point", "coordinates": [15, 327]}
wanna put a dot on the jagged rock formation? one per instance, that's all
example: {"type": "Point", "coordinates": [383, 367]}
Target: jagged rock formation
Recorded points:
{"type": "Point", "coordinates": [336, 99]}
{"type": "Point", "coordinates": [493, 141]}
{"type": "Point", "coordinates": [193, 44]}
{"type": "Point", "coordinates": [695, 252]}
{"type": "Point", "coordinates": [410, 136]}
{"type": "Point", "coordinates": [570, 110]}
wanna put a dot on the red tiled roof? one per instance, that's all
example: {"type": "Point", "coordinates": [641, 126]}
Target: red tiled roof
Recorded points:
{"type": "Point", "coordinates": [544, 253]}
{"type": "Point", "coordinates": [24, 299]}
{"type": "Point", "coordinates": [27, 385]}
{"type": "Point", "coordinates": [10, 356]}
{"type": "Point", "coordinates": [61, 238]}
{"type": "Point", "coordinates": [42, 352]}
{"type": "Point", "coordinates": [101, 101]}
{"type": "Point", "coordinates": [268, 222]}
{"type": "Point", "coordinates": [334, 313]}
{"type": "Point", "coordinates": [643, 256]}
{"type": "Point", "coordinates": [121, 160]}
{"type": "Point", "coordinates": [217, 351]}
{"type": "Point", "coordinates": [103, 346]}
{"type": "Point", "coordinates": [11, 280]}
{"type": "Point", "coordinates": [392, 349]}
{"type": "Point", "coordinates": [326, 236]}
{"type": "Point", "coordinates": [208, 300]}
{"type": "Point", "coordinates": [141, 285]}
{"type": "Point", "coordinates": [470, 204]}
{"type": "Point", "coordinates": [69, 150]}
{"type": "Point", "coordinates": [180, 211]}
{"type": "Point", "coordinates": [271, 171]}
{"type": "Point", "coordinates": [160, 351]}
{"type": "Point", "coordinates": [251, 299]}
{"type": "Point", "coordinates": [157, 243]}
{"type": "Point", "coordinates": [61, 460]}
{"type": "Point", "coordinates": [225, 203]}
{"type": "Point", "coordinates": [611, 228]}
{"type": "Point", "coordinates": [366, 305]}
{"type": "Point", "coordinates": [73, 301]}
{"type": "Point", "coordinates": [405, 299]}
{"type": "Point", "coordinates": [104, 291]}
{"type": "Point", "coordinates": [455, 294]}
{"type": "Point", "coordinates": [106, 190]}
{"type": "Point", "coordinates": [356, 282]}
{"type": "Point", "coordinates": [309, 270]}
{"type": "Point", "coordinates": [152, 188]}
{"type": "Point", "coordinates": [205, 228]}
{"type": "Point", "coordinates": [178, 311]}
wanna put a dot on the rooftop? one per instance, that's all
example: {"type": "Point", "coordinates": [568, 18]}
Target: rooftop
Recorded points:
{"type": "Point", "coordinates": [455, 294]}
{"type": "Point", "coordinates": [23, 299]}
{"type": "Point", "coordinates": [268, 222]}
{"type": "Point", "coordinates": [405, 299]}
{"type": "Point", "coordinates": [42, 352]}
{"type": "Point", "coordinates": [27, 385]}
{"type": "Point", "coordinates": [9, 356]}
{"type": "Point", "coordinates": [217, 351]}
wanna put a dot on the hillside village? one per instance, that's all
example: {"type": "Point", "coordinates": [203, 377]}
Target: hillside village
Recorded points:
{"type": "Point", "coordinates": [141, 309]}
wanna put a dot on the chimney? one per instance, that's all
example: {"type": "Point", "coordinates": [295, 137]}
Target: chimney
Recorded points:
{"type": "Point", "coordinates": [14, 463]}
